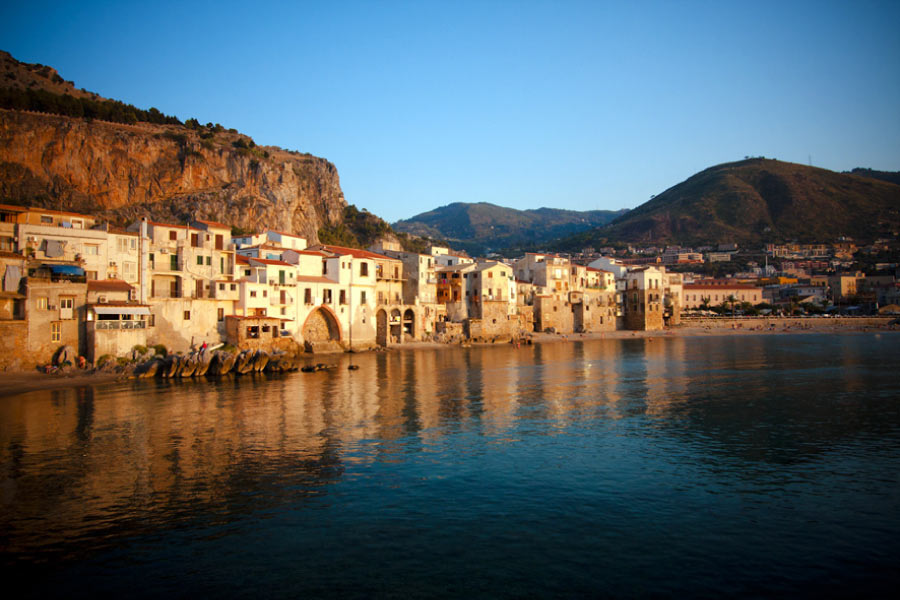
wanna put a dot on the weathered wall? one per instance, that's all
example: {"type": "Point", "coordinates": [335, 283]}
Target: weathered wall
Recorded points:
{"type": "Point", "coordinates": [495, 322]}
{"type": "Point", "coordinates": [117, 342]}
{"type": "Point", "coordinates": [551, 312]}
{"type": "Point", "coordinates": [13, 335]}
{"type": "Point", "coordinates": [779, 323]}
{"type": "Point", "coordinates": [165, 172]}
{"type": "Point", "coordinates": [641, 315]}
{"type": "Point", "coordinates": [176, 333]}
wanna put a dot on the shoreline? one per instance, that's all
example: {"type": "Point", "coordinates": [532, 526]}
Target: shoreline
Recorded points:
{"type": "Point", "coordinates": [19, 382]}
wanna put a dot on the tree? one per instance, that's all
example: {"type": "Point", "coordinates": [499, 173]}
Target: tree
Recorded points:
{"type": "Point", "coordinates": [732, 300]}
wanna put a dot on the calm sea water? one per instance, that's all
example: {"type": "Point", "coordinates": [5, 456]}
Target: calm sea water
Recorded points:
{"type": "Point", "coordinates": [718, 466]}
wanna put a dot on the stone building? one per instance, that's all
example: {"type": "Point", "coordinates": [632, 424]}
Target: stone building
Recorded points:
{"type": "Point", "coordinates": [54, 310]}
{"type": "Point", "coordinates": [643, 304]}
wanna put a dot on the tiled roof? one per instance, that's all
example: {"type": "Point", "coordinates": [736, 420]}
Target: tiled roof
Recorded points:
{"type": "Point", "coordinates": [108, 285]}
{"type": "Point", "coordinates": [357, 253]}
{"type": "Point", "coordinates": [171, 225]}
{"type": "Point", "coordinates": [269, 261]}
{"type": "Point", "coordinates": [213, 224]}
{"type": "Point", "coordinates": [704, 286]}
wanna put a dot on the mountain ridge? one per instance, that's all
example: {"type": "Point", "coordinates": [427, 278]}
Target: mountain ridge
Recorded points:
{"type": "Point", "coordinates": [757, 200]}
{"type": "Point", "coordinates": [483, 227]}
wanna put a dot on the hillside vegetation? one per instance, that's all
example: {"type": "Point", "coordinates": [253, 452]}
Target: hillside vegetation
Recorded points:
{"type": "Point", "coordinates": [755, 201]}
{"type": "Point", "coordinates": [482, 228]}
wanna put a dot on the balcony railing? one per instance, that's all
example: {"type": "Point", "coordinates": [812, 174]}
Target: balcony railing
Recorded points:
{"type": "Point", "coordinates": [120, 324]}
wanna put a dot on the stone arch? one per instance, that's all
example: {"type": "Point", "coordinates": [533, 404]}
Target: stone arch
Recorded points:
{"type": "Point", "coordinates": [409, 323]}
{"type": "Point", "coordinates": [381, 328]}
{"type": "Point", "coordinates": [321, 325]}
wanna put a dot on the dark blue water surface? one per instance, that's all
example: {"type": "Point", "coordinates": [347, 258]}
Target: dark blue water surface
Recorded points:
{"type": "Point", "coordinates": [696, 466]}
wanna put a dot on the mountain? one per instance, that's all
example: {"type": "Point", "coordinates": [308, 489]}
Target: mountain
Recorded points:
{"type": "Point", "coordinates": [755, 201]}
{"type": "Point", "coordinates": [482, 228]}
{"type": "Point", "coordinates": [73, 150]}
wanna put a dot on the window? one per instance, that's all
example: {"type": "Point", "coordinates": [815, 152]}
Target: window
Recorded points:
{"type": "Point", "coordinates": [233, 287]}
{"type": "Point", "coordinates": [363, 269]}
{"type": "Point", "coordinates": [90, 275]}
{"type": "Point", "coordinates": [307, 296]}
{"type": "Point", "coordinates": [55, 331]}
{"type": "Point", "coordinates": [265, 293]}
{"type": "Point", "coordinates": [129, 268]}
{"type": "Point", "coordinates": [362, 297]}
{"type": "Point", "coordinates": [91, 249]}
{"type": "Point", "coordinates": [195, 240]}
{"type": "Point", "coordinates": [66, 306]}
{"type": "Point", "coordinates": [221, 287]}
{"type": "Point", "coordinates": [326, 296]}
{"type": "Point", "coordinates": [173, 262]}
{"type": "Point", "coordinates": [187, 315]}
{"type": "Point", "coordinates": [221, 264]}
{"type": "Point", "coordinates": [221, 314]}
{"type": "Point", "coordinates": [209, 261]}
{"type": "Point", "coordinates": [253, 293]}
{"type": "Point", "coordinates": [41, 303]}
{"type": "Point", "coordinates": [45, 220]}
{"type": "Point", "coordinates": [343, 297]}
{"type": "Point", "coordinates": [173, 235]}
{"type": "Point", "coordinates": [200, 261]}
{"type": "Point", "coordinates": [246, 272]}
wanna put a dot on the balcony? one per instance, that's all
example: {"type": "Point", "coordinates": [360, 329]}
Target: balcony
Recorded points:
{"type": "Point", "coordinates": [120, 325]}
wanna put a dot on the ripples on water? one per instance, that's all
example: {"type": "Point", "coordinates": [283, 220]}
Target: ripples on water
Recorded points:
{"type": "Point", "coordinates": [751, 465]}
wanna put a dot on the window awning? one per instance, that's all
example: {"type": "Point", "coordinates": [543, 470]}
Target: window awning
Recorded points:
{"type": "Point", "coordinates": [121, 310]}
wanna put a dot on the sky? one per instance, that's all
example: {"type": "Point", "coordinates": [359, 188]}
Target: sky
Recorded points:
{"type": "Point", "coordinates": [576, 105]}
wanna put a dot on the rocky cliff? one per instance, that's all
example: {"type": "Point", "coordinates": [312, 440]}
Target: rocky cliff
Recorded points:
{"type": "Point", "coordinates": [166, 172]}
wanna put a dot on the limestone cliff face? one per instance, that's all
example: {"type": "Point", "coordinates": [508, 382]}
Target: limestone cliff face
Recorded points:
{"type": "Point", "coordinates": [167, 173]}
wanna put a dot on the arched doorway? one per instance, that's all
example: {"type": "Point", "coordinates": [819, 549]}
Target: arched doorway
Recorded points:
{"type": "Point", "coordinates": [396, 330]}
{"type": "Point", "coordinates": [381, 328]}
{"type": "Point", "coordinates": [409, 324]}
{"type": "Point", "coordinates": [321, 326]}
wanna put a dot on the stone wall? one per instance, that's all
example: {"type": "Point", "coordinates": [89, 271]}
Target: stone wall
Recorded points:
{"type": "Point", "coordinates": [116, 342]}
{"type": "Point", "coordinates": [641, 315]}
{"type": "Point", "coordinates": [495, 323]}
{"type": "Point", "coordinates": [176, 333]}
{"type": "Point", "coordinates": [779, 323]}
{"type": "Point", "coordinates": [552, 313]}
{"type": "Point", "coordinates": [13, 335]}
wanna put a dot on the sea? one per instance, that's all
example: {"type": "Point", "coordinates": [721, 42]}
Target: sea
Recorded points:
{"type": "Point", "coordinates": [702, 467]}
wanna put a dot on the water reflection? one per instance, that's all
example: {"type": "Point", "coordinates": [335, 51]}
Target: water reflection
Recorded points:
{"type": "Point", "coordinates": [84, 469]}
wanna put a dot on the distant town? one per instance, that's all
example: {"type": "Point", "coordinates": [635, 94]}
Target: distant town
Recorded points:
{"type": "Point", "coordinates": [70, 280]}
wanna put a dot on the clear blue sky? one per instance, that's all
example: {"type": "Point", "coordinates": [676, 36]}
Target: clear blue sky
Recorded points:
{"type": "Point", "coordinates": [580, 105]}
